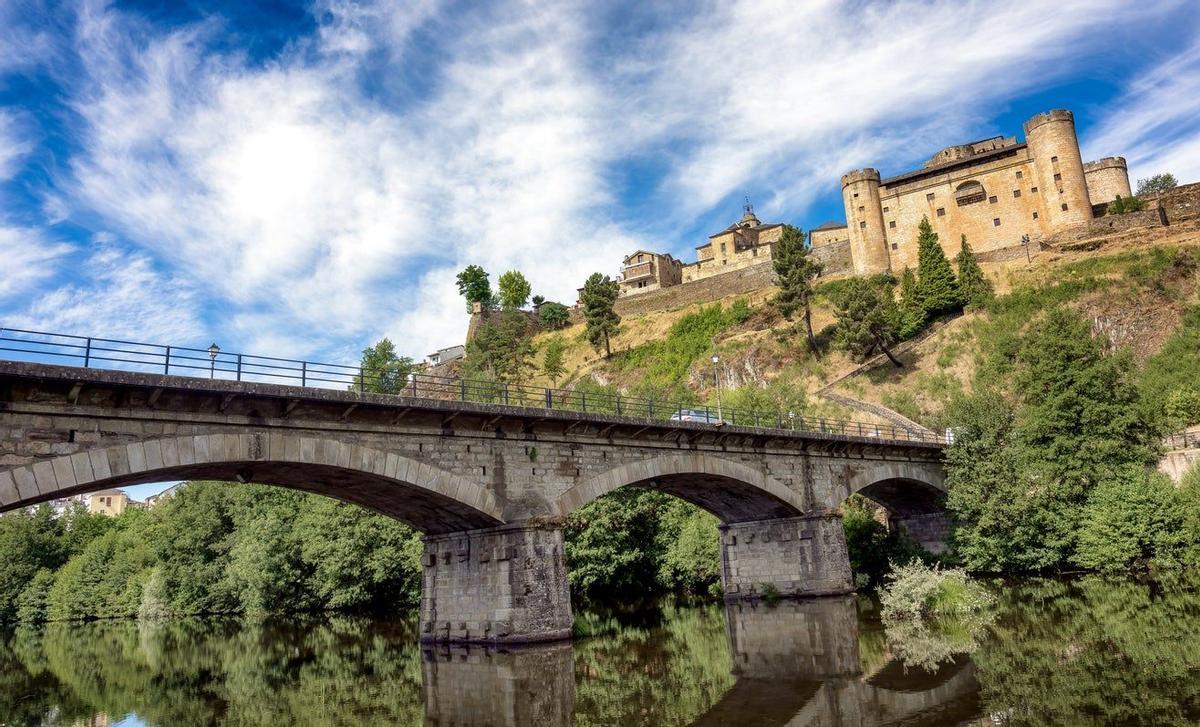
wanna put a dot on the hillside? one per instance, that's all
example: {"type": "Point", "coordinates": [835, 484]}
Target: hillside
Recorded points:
{"type": "Point", "coordinates": [1135, 287]}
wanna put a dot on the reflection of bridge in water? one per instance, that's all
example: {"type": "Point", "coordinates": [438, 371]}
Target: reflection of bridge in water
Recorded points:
{"type": "Point", "coordinates": [796, 663]}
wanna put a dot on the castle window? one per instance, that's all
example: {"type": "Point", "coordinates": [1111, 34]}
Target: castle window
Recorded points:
{"type": "Point", "coordinates": [929, 197]}
{"type": "Point", "coordinates": [941, 211]}
{"type": "Point", "coordinates": [1016, 193]}
{"type": "Point", "coordinates": [892, 224]}
{"type": "Point", "coordinates": [996, 222]}
{"type": "Point", "coordinates": [969, 193]}
{"type": "Point", "coordinates": [1054, 160]}
{"type": "Point", "coordinates": [1035, 216]}
{"type": "Point", "coordinates": [1033, 190]}
{"type": "Point", "coordinates": [1058, 177]}
{"type": "Point", "coordinates": [754, 252]}
{"type": "Point", "coordinates": [895, 246]}
{"type": "Point", "coordinates": [1020, 174]}
{"type": "Point", "coordinates": [861, 208]}
{"type": "Point", "coordinates": [992, 199]}
{"type": "Point", "coordinates": [856, 195]}
{"type": "Point", "coordinates": [887, 209]}
{"type": "Point", "coordinates": [1064, 207]}
{"type": "Point", "coordinates": [862, 225]}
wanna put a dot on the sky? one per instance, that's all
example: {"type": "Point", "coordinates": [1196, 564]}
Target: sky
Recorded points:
{"type": "Point", "coordinates": [303, 179]}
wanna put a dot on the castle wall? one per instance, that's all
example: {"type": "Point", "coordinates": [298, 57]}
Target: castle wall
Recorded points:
{"type": "Point", "coordinates": [707, 267]}
{"type": "Point", "coordinates": [1012, 205]}
{"type": "Point", "coordinates": [821, 238]}
{"type": "Point", "coordinates": [1054, 149]}
{"type": "Point", "coordinates": [744, 279]}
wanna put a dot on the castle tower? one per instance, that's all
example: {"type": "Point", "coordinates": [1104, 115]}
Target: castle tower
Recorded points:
{"type": "Point", "coordinates": [1107, 179]}
{"type": "Point", "coordinates": [1054, 149]}
{"type": "Point", "coordinates": [864, 220]}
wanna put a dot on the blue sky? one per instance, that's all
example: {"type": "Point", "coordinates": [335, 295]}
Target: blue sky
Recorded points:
{"type": "Point", "coordinates": [301, 179]}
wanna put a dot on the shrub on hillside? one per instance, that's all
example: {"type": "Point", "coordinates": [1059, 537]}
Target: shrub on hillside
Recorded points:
{"type": "Point", "coordinates": [917, 590]}
{"type": "Point", "coordinates": [1125, 205]}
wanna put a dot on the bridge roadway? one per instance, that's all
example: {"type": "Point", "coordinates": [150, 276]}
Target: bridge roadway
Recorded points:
{"type": "Point", "coordinates": [489, 485]}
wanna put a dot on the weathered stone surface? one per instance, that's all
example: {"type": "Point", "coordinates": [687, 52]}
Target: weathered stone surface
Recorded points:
{"type": "Point", "coordinates": [794, 557]}
{"type": "Point", "coordinates": [473, 686]}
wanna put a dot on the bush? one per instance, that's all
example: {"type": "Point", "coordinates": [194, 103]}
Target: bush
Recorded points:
{"type": "Point", "coordinates": [871, 548]}
{"type": "Point", "coordinates": [917, 591]}
{"type": "Point", "coordinates": [31, 604]}
{"type": "Point", "coordinates": [1130, 522]}
{"type": "Point", "coordinates": [1125, 205]}
{"type": "Point", "coordinates": [554, 315]}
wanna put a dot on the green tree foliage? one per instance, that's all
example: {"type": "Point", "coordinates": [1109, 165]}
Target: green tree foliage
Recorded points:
{"type": "Point", "coordinates": [663, 366]}
{"type": "Point", "coordinates": [1024, 467]}
{"type": "Point", "coordinates": [473, 285]}
{"type": "Point", "coordinates": [1131, 521]}
{"type": "Point", "coordinates": [936, 286]}
{"type": "Point", "coordinates": [1157, 183]}
{"type": "Point", "coordinates": [33, 602]}
{"type": "Point", "coordinates": [383, 370]}
{"type": "Point", "coordinates": [599, 297]}
{"type": "Point", "coordinates": [104, 580]}
{"type": "Point", "coordinates": [872, 549]}
{"type": "Point", "coordinates": [1125, 205]}
{"type": "Point", "coordinates": [31, 542]}
{"type": "Point", "coordinates": [1169, 380]}
{"type": "Point", "coordinates": [866, 320]}
{"type": "Point", "coordinates": [691, 560]}
{"type": "Point", "coordinates": [795, 271]}
{"type": "Point", "coordinates": [502, 349]}
{"type": "Point", "coordinates": [912, 315]}
{"type": "Point", "coordinates": [554, 315]}
{"type": "Point", "coordinates": [976, 289]}
{"type": "Point", "coordinates": [552, 359]}
{"type": "Point", "coordinates": [514, 290]}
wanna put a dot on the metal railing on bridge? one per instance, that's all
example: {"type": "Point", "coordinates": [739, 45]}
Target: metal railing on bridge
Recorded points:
{"type": "Point", "coordinates": [212, 363]}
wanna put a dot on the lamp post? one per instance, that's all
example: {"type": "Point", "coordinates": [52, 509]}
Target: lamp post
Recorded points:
{"type": "Point", "coordinates": [213, 350]}
{"type": "Point", "coordinates": [1025, 242]}
{"type": "Point", "coordinates": [717, 380]}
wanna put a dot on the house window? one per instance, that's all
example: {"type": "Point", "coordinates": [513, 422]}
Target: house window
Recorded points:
{"type": "Point", "coordinates": [1033, 190]}
{"type": "Point", "coordinates": [992, 199]}
{"type": "Point", "coordinates": [929, 197]}
{"type": "Point", "coordinates": [1058, 177]}
{"type": "Point", "coordinates": [1035, 216]}
{"type": "Point", "coordinates": [892, 224]}
{"type": "Point", "coordinates": [996, 222]}
{"type": "Point", "coordinates": [1064, 207]}
{"type": "Point", "coordinates": [1020, 174]}
{"type": "Point", "coordinates": [941, 211]}
{"type": "Point", "coordinates": [1016, 193]}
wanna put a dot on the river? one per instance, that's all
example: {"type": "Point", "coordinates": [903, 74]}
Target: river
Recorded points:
{"type": "Point", "coordinates": [1086, 651]}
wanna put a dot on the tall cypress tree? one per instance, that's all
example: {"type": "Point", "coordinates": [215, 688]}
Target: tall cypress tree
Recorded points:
{"type": "Point", "coordinates": [936, 286]}
{"type": "Point", "coordinates": [599, 297]}
{"type": "Point", "coordinates": [975, 287]}
{"type": "Point", "coordinates": [795, 270]}
{"type": "Point", "coordinates": [912, 312]}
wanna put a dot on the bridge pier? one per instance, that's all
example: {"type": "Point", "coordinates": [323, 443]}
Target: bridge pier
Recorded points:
{"type": "Point", "coordinates": [794, 557]}
{"type": "Point", "coordinates": [506, 584]}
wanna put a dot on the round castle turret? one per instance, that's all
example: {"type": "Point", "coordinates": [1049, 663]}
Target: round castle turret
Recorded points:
{"type": "Point", "coordinates": [1054, 149]}
{"type": "Point", "coordinates": [864, 220]}
{"type": "Point", "coordinates": [1107, 179]}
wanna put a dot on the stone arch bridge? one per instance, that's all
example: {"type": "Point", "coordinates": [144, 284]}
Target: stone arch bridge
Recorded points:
{"type": "Point", "coordinates": [490, 485]}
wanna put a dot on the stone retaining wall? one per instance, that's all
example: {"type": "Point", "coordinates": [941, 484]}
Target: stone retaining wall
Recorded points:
{"type": "Point", "coordinates": [800, 556]}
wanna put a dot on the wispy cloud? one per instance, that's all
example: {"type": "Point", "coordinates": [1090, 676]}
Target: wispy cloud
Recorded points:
{"type": "Point", "coordinates": [29, 258]}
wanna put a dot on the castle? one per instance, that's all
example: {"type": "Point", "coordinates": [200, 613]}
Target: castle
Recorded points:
{"type": "Point", "coordinates": [995, 191]}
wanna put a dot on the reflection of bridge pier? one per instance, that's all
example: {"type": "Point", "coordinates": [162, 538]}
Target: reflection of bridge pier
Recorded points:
{"type": "Point", "coordinates": [465, 686]}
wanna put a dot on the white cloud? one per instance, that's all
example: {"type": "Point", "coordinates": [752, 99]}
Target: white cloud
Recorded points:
{"type": "Point", "coordinates": [13, 144]}
{"type": "Point", "coordinates": [29, 258]}
{"type": "Point", "coordinates": [1155, 123]}
{"type": "Point", "coordinates": [123, 296]}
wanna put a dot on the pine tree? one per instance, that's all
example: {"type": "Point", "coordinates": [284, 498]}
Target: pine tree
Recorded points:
{"type": "Point", "coordinates": [795, 270]}
{"type": "Point", "coordinates": [976, 289]}
{"type": "Point", "coordinates": [911, 313]}
{"type": "Point", "coordinates": [552, 361]}
{"type": "Point", "coordinates": [599, 297]}
{"type": "Point", "coordinates": [866, 319]}
{"type": "Point", "coordinates": [936, 286]}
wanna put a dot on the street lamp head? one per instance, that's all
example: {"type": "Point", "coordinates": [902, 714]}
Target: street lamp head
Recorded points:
{"type": "Point", "coordinates": [213, 350]}
{"type": "Point", "coordinates": [715, 358]}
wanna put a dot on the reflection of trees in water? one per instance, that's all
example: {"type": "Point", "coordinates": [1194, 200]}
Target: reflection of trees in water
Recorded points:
{"type": "Point", "coordinates": [929, 643]}
{"type": "Point", "coordinates": [667, 672]}
{"type": "Point", "coordinates": [1094, 651]}
{"type": "Point", "coordinates": [214, 672]}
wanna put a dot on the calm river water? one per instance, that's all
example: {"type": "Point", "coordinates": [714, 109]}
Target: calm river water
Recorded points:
{"type": "Point", "coordinates": [1089, 651]}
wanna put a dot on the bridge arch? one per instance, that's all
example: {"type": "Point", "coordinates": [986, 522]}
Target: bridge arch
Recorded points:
{"type": "Point", "coordinates": [914, 496]}
{"type": "Point", "coordinates": [426, 497]}
{"type": "Point", "coordinates": [731, 490]}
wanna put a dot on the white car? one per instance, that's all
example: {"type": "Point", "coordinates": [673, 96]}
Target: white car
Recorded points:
{"type": "Point", "coordinates": [705, 416]}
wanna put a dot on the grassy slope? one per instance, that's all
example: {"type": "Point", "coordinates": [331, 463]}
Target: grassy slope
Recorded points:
{"type": "Point", "coordinates": [1122, 287]}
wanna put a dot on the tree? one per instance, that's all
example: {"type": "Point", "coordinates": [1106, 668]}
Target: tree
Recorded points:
{"type": "Point", "coordinates": [552, 361]}
{"type": "Point", "coordinates": [936, 286]}
{"type": "Point", "coordinates": [514, 290]}
{"type": "Point", "coordinates": [866, 319]}
{"type": "Point", "coordinates": [1157, 183]}
{"type": "Point", "coordinates": [383, 371]}
{"type": "Point", "coordinates": [538, 300]}
{"type": "Point", "coordinates": [911, 313]}
{"type": "Point", "coordinates": [501, 348]}
{"type": "Point", "coordinates": [599, 297]}
{"type": "Point", "coordinates": [1125, 205]}
{"type": "Point", "coordinates": [474, 286]}
{"type": "Point", "coordinates": [974, 286]}
{"type": "Point", "coordinates": [795, 270]}
{"type": "Point", "coordinates": [554, 315]}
